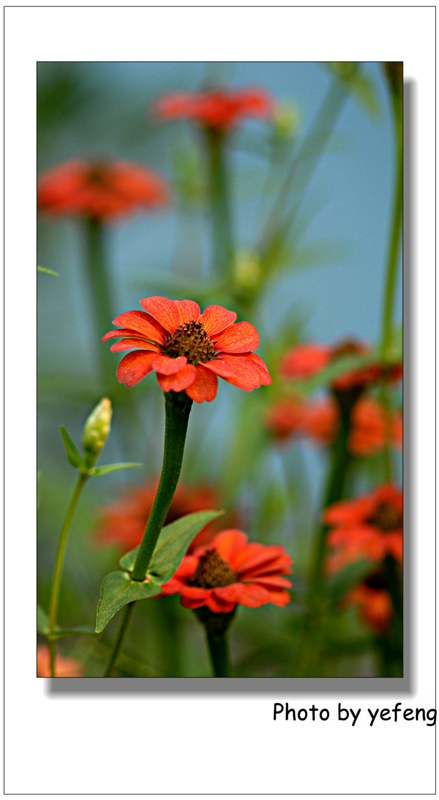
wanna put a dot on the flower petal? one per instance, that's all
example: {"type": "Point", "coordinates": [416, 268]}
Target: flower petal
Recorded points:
{"type": "Point", "coordinates": [215, 319]}
{"type": "Point", "coordinates": [181, 380]}
{"type": "Point", "coordinates": [254, 596]}
{"type": "Point", "coordinates": [128, 344]}
{"type": "Point", "coordinates": [275, 581]}
{"type": "Point", "coordinates": [195, 592]}
{"type": "Point", "coordinates": [279, 597]}
{"type": "Point", "coordinates": [229, 544]}
{"type": "Point", "coordinates": [238, 370]}
{"type": "Point", "coordinates": [204, 386]}
{"type": "Point", "coordinates": [134, 367]}
{"type": "Point", "coordinates": [169, 366]}
{"type": "Point", "coordinates": [188, 310]}
{"type": "Point", "coordinates": [163, 310]}
{"type": "Point", "coordinates": [219, 606]}
{"type": "Point", "coordinates": [242, 337]}
{"type": "Point", "coordinates": [228, 594]}
{"type": "Point", "coordinates": [143, 323]}
{"type": "Point", "coordinates": [123, 332]}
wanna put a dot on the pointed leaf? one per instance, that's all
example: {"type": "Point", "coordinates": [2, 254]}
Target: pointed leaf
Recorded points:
{"type": "Point", "coordinates": [117, 591]}
{"type": "Point", "coordinates": [114, 467]}
{"type": "Point", "coordinates": [42, 621]}
{"type": "Point", "coordinates": [73, 454]}
{"type": "Point", "coordinates": [172, 545]}
{"type": "Point", "coordinates": [48, 271]}
{"type": "Point", "coordinates": [174, 541]}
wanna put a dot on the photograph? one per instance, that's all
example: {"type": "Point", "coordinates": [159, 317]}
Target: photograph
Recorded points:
{"type": "Point", "coordinates": [219, 357]}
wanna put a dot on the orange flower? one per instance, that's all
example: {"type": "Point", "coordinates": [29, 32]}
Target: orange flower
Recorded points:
{"type": "Point", "coordinates": [369, 527]}
{"type": "Point", "coordinates": [101, 190]}
{"type": "Point", "coordinates": [218, 109]}
{"type": "Point", "coordinates": [373, 602]}
{"type": "Point", "coordinates": [306, 360]}
{"type": "Point", "coordinates": [123, 523]}
{"type": "Point", "coordinates": [229, 571]}
{"type": "Point", "coordinates": [285, 417]}
{"type": "Point", "coordinates": [64, 667]}
{"type": "Point", "coordinates": [188, 349]}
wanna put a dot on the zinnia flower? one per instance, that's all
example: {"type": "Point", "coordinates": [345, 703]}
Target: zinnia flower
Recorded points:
{"type": "Point", "coordinates": [100, 190]}
{"type": "Point", "coordinates": [229, 571]}
{"type": "Point", "coordinates": [218, 109]}
{"type": "Point", "coordinates": [123, 523]}
{"type": "Point", "coordinates": [306, 360]}
{"type": "Point", "coordinates": [187, 349]}
{"type": "Point", "coordinates": [373, 602]}
{"type": "Point", "coordinates": [64, 667]}
{"type": "Point", "coordinates": [369, 527]}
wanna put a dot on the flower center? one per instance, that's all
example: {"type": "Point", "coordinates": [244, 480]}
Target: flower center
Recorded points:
{"type": "Point", "coordinates": [386, 517]}
{"type": "Point", "coordinates": [212, 571]}
{"type": "Point", "coordinates": [190, 340]}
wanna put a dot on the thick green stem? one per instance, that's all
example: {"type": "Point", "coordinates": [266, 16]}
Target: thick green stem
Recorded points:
{"type": "Point", "coordinates": [56, 582]}
{"type": "Point", "coordinates": [177, 407]}
{"type": "Point", "coordinates": [100, 291]}
{"type": "Point", "coordinates": [219, 654]}
{"type": "Point", "coordinates": [334, 491]}
{"type": "Point", "coordinates": [222, 236]}
{"type": "Point", "coordinates": [125, 620]}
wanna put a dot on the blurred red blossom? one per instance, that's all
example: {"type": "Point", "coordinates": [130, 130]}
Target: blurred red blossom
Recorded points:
{"type": "Point", "coordinates": [229, 571]}
{"type": "Point", "coordinates": [101, 189]}
{"type": "Point", "coordinates": [305, 360]}
{"type": "Point", "coordinates": [219, 109]}
{"type": "Point", "coordinates": [368, 527]}
{"type": "Point", "coordinates": [64, 667]}
{"type": "Point", "coordinates": [187, 349]}
{"type": "Point", "coordinates": [123, 523]}
{"type": "Point", "coordinates": [373, 602]}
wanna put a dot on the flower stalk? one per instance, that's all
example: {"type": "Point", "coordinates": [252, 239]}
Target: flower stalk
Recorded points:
{"type": "Point", "coordinates": [222, 236]}
{"type": "Point", "coordinates": [100, 289]}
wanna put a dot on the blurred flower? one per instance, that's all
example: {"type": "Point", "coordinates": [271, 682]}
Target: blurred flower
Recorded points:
{"type": "Point", "coordinates": [101, 190]}
{"type": "Point", "coordinates": [64, 667]}
{"type": "Point", "coordinates": [229, 571]}
{"type": "Point", "coordinates": [319, 421]}
{"type": "Point", "coordinates": [123, 523]}
{"type": "Point", "coordinates": [305, 360]}
{"type": "Point", "coordinates": [373, 602]}
{"type": "Point", "coordinates": [369, 527]}
{"type": "Point", "coordinates": [188, 349]}
{"type": "Point", "coordinates": [220, 109]}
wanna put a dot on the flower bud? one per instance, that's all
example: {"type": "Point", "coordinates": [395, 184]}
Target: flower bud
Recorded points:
{"type": "Point", "coordinates": [285, 120]}
{"type": "Point", "coordinates": [96, 430]}
{"type": "Point", "coordinates": [248, 271]}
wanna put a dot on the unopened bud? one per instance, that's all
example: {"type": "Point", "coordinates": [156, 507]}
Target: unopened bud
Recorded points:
{"type": "Point", "coordinates": [96, 430]}
{"type": "Point", "coordinates": [248, 271]}
{"type": "Point", "coordinates": [286, 120]}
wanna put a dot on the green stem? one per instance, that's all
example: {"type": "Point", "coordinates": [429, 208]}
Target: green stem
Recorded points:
{"type": "Point", "coordinates": [219, 654]}
{"type": "Point", "coordinates": [125, 620]}
{"type": "Point", "coordinates": [100, 290]}
{"type": "Point", "coordinates": [392, 273]}
{"type": "Point", "coordinates": [177, 408]}
{"type": "Point", "coordinates": [219, 202]}
{"type": "Point", "coordinates": [334, 491]}
{"type": "Point", "coordinates": [56, 581]}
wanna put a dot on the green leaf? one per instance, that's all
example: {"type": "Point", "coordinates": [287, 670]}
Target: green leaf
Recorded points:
{"type": "Point", "coordinates": [73, 454]}
{"type": "Point", "coordinates": [113, 467]}
{"type": "Point", "coordinates": [353, 575]}
{"type": "Point", "coordinates": [48, 271]}
{"type": "Point", "coordinates": [42, 621]}
{"type": "Point", "coordinates": [172, 545]}
{"type": "Point", "coordinates": [117, 591]}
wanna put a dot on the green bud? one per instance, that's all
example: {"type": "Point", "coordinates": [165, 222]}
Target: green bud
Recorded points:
{"type": "Point", "coordinates": [96, 430]}
{"type": "Point", "coordinates": [248, 271]}
{"type": "Point", "coordinates": [286, 120]}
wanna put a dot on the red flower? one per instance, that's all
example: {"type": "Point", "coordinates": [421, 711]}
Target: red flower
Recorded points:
{"type": "Point", "coordinates": [320, 421]}
{"type": "Point", "coordinates": [374, 604]}
{"type": "Point", "coordinates": [100, 190]}
{"type": "Point", "coordinates": [188, 349]}
{"type": "Point", "coordinates": [218, 109]}
{"type": "Point", "coordinates": [369, 527]}
{"type": "Point", "coordinates": [123, 523]}
{"type": "Point", "coordinates": [64, 667]}
{"type": "Point", "coordinates": [306, 360]}
{"type": "Point", "coordinates": [230, 571]}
